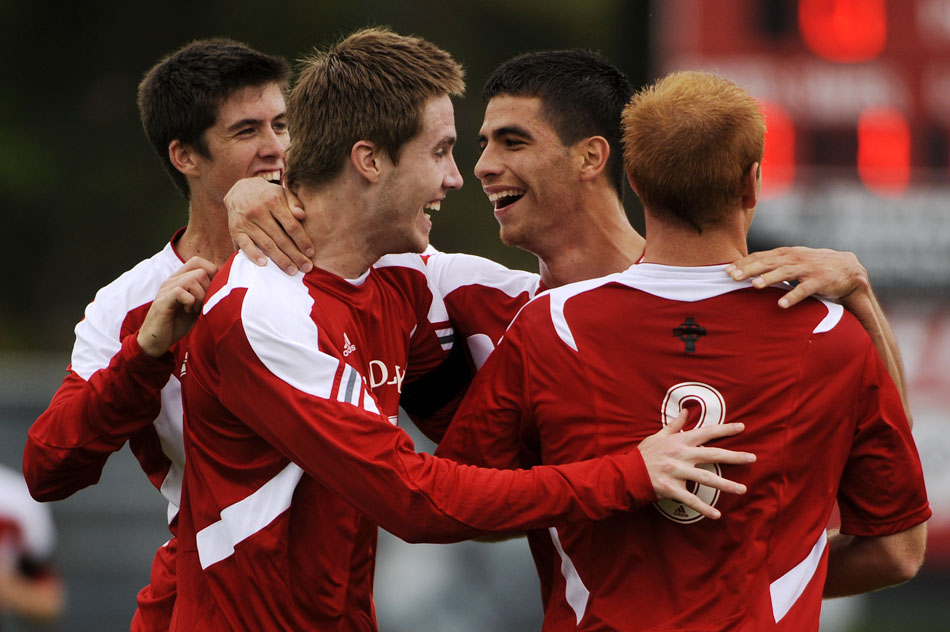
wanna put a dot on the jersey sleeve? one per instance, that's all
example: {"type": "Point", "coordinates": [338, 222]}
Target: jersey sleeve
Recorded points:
{"type": "Point", "coordinates": [89, 419]}
{"type": "Point", "coordinates": [315, 409]}
{"type": "Point", "coordinates": [882, 488]}
{"type": "Point", "coordinates": [493, 425]}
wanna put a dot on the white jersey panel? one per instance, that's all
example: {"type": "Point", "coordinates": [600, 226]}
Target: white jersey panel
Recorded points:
{"type": "Point", "coordinates": [98, 333]}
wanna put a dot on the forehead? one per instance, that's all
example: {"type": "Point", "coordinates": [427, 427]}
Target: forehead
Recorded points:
{"type": "Point", "coordinates": [507, 111]}
{"type": "Point", "coordinates": [252, 102]}
{"type": "Point", "coordinates": [438, 121]}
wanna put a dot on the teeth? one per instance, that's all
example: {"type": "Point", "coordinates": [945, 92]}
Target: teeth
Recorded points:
{"type": "Point", "coordinates": [433, 206]}
{"type": "Point", "coordinates": [494, 197]}
{"type": "Point", "coordinates": [271, 176]}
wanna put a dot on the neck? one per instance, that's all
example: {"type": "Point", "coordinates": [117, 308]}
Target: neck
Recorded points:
{"type": "Point", "coordinates": [674, 244]}
{"type": "Point", "coordinates": [343, 237]}
{"type": "Point", "coordinates": [600, 241]}
{"type": "Point", "coordinates": [207, 234]}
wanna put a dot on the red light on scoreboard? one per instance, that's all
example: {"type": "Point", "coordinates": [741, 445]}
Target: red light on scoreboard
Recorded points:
{"type": "Point", "coordinates": [778, 164]}
{"type": "Point", "coordinates": [843, 30]}
{"type": "Point", "coordinates": [884, 151]}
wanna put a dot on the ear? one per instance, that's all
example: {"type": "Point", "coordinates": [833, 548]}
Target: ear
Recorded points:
{"type": "Point", "coordinates": [633, 185]}
{"type": "Point", "coordinates": [594, 152]}
{"type": "Point", "coordinates": [183, 157]}
{"type": "Point", "coordinates": [751, 182]}
{"type": "Point", "coordinates": [365, 157]}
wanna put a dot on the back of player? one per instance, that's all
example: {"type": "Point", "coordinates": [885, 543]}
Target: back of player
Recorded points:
{"type": "Point", "coordinates": [633, 349]}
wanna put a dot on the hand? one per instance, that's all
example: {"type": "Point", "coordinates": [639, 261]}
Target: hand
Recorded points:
{"type": "Point", "coordinates": [176, 306]}
{"type": "Point", "coordinates": [827, 273]}
{"type": "Point", "coordinates": [264, 220]}
{"type": "Point", "coordinates": [672, 456]}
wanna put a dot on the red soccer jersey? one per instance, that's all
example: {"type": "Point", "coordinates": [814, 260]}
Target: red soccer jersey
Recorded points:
{"type": "Point", "coordinates": [482, 297]}
{"type": "Point", "coordinates": [114, 393]}
{"type": "Point", "coordinates": [293, 459]}
{"type": "Point", "coordinates": [595, 367]}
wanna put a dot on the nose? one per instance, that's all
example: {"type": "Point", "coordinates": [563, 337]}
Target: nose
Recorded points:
{"type": "Point", "coordinates": [453, 178]}
{"type": "Point", "coordinates": [275, 142]}
{"type": "Point", "coordinates": [487, 164]}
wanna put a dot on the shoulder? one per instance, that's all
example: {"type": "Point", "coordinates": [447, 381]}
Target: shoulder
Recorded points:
{"type": "Point", "coordinates": [450, 271]}
{"type": "Point", "coordinates": [135, 287]}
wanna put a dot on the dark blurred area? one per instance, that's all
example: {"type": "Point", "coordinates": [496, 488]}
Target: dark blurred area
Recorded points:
{"type": "Point", "coordinates": [86, 199]}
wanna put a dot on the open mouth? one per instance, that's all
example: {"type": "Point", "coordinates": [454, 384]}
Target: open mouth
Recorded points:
{"type": "Point", "coordinates": [435, 205]}
{"type": "Point", "coordinates": [501, 199]}
{"type": "Point", "coordinates": [271, 176]}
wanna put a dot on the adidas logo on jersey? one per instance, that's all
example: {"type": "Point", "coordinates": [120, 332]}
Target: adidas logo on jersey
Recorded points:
{"type": "Point", "coordinates": [348, 347]}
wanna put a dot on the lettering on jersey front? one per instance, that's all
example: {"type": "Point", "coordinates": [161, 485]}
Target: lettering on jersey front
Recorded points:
{"type": "Point", "coordinates": [712, 411]}
{"type": "Point", "coordinates": [689, 331]}
{"type": "Point", "coordinates": [379, 374]}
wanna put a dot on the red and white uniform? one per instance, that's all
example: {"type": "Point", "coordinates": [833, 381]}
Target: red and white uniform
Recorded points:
{"type": "Point", "coordinates": [595, 367]}
{"type": "Point", "coordinates": [27, 534]}
{"type": "Point", "coordinates": [481, 296]}
{"type": "Point", "coordinates": [115, 393]}
{"type": "Point", "coordinates": [293, 456]}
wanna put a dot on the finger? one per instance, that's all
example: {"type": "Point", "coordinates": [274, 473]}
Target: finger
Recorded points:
{"type": "Point", "coordinates": [296, 207]}
{"type": "Point", "coordinates": [799, 293]}
{"type": "Point", "coordinates": [721, 455]}
{"type": "Point", "coordinates": [298, 244]}
{"type": "Point", "coordinates": [677, 424]}
{"type": "Point", "coordinates": [264, 245]}
{"type": "Point", "coordinates": [246, 245]}
{"type": "Point", "coordinates": [705, 434]}
{"type": "Point", "coordinates": [694, 502]}
{"type": "Point", "coordinates": [710, 479]}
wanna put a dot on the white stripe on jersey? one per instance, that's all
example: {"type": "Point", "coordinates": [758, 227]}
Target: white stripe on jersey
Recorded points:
{"type": "Point", "coordinates": [789, 587]}
{"type": "Point", "coordinates": [275, 315]}
{"type": "Point", "coordinates": [98, 333]}
{"type": "Point", "coordinates": [559, 297]}
{"type": "Point", "coordinates": [673, 283]}
{"type": "Point", "coordinates": [448, 272]}
{"type": "Point", "coordinates": [437, 312]}
{"type": "Point", "coordinates": [248, 516]}
{"type": "Point", "coordinates": [575, 592]}
{"type": "Point", "coordinates": [835, 312]}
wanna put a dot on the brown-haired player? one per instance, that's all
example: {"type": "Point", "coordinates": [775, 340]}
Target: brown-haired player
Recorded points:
{"type": "Point", "coordinates": [214, 112]}
{"type": "Point", "coordinates": [293, 457]}
{"type": "Point", "coordinates": [675, 332]}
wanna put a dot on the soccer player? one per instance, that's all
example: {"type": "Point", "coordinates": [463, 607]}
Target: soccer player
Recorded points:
{"type": "Point", "coordinates": [292, 457]}
{"type": "Point", "coordinates": [214, 112]}
{"type": "Point", "coordinates": [29, 585]}
{"type": "Point", "coordinates": [551, 166]}
{"type": "Point", "coordinates": [677, 332]}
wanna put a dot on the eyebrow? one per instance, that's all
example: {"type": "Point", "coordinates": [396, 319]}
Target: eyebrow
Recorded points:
{"type": "Point", "coordinates": [252, 121]}
{"type": "Point", "coordinates": [507, 130]}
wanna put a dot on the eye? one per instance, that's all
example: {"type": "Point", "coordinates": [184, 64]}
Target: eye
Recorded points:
{"type": "Point", "coordinates": [513, 142]}
{"type": "Point", "coordinates": [280, 127]}
{"type": "Point", "coordinates": [245, 131]}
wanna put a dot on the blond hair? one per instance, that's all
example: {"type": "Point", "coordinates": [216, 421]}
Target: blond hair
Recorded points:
{"type": "Point", "coordinates": [689, 140]}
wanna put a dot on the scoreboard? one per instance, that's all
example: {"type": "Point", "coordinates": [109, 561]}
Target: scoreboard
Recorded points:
{"type": "Point", "coordinates": [854, 89]}
{"type": "Point", "coordinates": [856, 95]}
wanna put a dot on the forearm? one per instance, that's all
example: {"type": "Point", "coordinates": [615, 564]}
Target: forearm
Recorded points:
{"type": "Point", "coordinates": [39, 600]}
{"type": "Point", "coordinates": [865, 307]}
{"type": "Point", "coordinates": [86, 421]}
{"type": "Point", "coordinates": [863, 564]}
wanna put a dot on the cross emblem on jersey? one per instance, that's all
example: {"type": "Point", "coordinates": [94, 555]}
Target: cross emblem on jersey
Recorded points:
{"type": "Point", "coordinates": [689, 331]}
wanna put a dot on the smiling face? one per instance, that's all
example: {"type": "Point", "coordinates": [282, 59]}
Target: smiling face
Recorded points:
{"type": "Point", "coordinates": [426, 171]}
{"type": "Point", "coordinates": [249, 138]}
{"type": "Point", "coordinates": [526, 172]}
